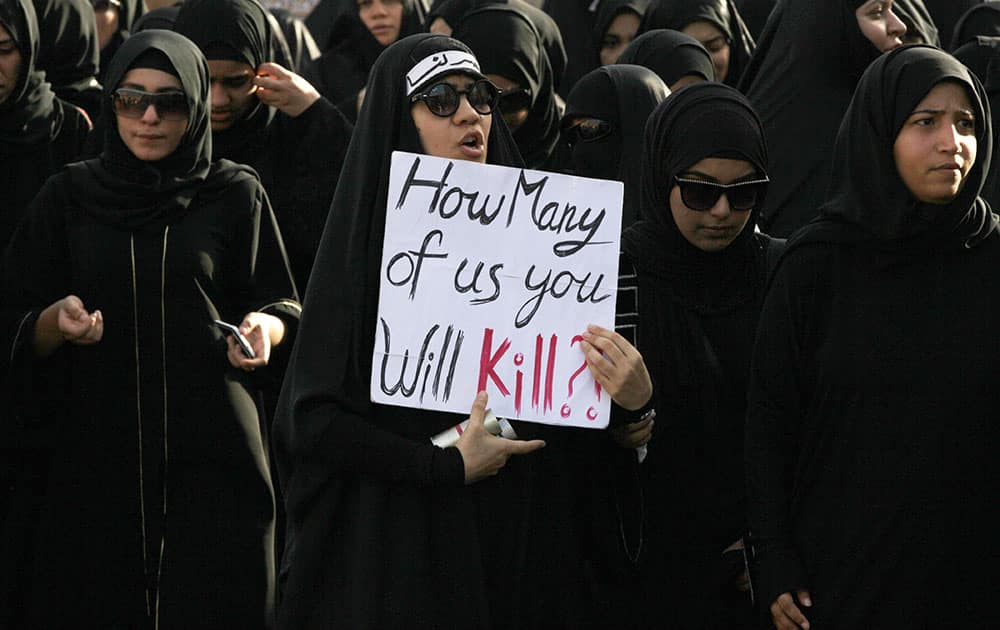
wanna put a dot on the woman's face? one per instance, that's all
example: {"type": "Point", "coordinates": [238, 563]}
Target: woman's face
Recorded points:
{"type": "Point", "coordinates": [106, 15]}
{"type": "Point", "coordinates": [383, 18]}
{"type": "Point", "coordinates": [715, 43]}
{"type": "Point", "coordinates": [10, 64]}
{"type": "Point", "coordinates": [936, 147]}
{"type": "Point", "coordinates": [880, 25]}
{"type": "Point", "coordinates": [619, 35]}
{"type": "Point", "coordinates": [233, 92]}
{"type": "Point", "coordinates": [461, 136]}
{"type": "Point", "coordinates": [715, 229]}
{"type": "Point", "coordinates": [513, 116]}
{"type": "Point", "coordinates": [151, 137]}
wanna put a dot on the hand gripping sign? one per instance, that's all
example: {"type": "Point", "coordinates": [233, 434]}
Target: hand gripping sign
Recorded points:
{"type": "Point", "coordinates": [489, 276]}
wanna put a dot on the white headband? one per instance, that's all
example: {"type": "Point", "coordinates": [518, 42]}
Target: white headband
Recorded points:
{"type": "Point", "coordinates": [439, 63]}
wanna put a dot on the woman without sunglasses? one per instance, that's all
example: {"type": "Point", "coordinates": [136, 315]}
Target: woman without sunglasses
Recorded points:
{"type": "Point", "coordinates": [385, 528]}
{"type": "Point", "coordinates": [158, 509]}
{"type": "Point", "coordinates": [872, 439]}
{"type": "Point", "coordinates": [692, 279]}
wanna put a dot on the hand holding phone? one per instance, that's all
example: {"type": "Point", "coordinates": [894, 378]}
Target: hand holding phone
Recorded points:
{"type": "Point", "coordinates": [240, 339]}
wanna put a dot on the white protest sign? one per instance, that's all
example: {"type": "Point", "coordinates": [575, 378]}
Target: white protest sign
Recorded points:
{"type": "Point", "coordinates": [489, 276]}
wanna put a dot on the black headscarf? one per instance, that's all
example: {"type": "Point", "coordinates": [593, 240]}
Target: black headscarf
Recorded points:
{"type": "Point", "coordinates": [162, 18]}
{"type": "Point", "coordinates": [920, 27]}
{"type": "Point", "coordinates": [68, 50]}
{"type": "Point", "coordinates": [755, 14]}
{"type": "Point", "coordinates": [241, 29]}
{"type": "Point", "coordinates": [982, 19]}
{"type": "Point", "coordinates": [608, 10]}
{"type": "Point", "coordinates": [700, 121]}
{"type": "Point", "coordinates": [670, 54]}
{"type": "Point", "coordinates": [624, 96]}
{"type": "Point", "coordinates": [723, 14]}
{"type": "Point", "coordinates": [982, 57]}
{"type": "Point", "coordinates": [26, 117]}
{"type": "Point", "coordinates": [801, 79]}
{"type": "Point", "coordinates": [128, 15]}
{"type": "Point", "coordinates": [868, 203]}
{"type": "Point", "coordinates": [331, 361]}
{"type": "Point", "coordinates": [118, 188]}
{"type": "Point", "coordinates": [506, 43]}
{"type": "Point", "coordinates": [452, 11]}
{"type": "Point", "coordinates": [946, 13]}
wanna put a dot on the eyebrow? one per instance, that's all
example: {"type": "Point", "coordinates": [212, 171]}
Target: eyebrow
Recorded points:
{"type": "Point", "coordinates": [8, 40]}
{"type": "Point", "coordinates": [938, 112]}
{"type": "Point", "coordinates": [143, 88]}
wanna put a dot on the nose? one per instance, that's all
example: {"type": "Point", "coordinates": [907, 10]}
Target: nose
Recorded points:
{"type": "Point", "coordinates": [721, 209]}
{"type": "Point", "coordinates": [894, 27]}
{"type": "Point", "coordinates": [378, 8]}
{"type": "Point", "coordinates": [465, 113]}
{"type": "Point", "coordinates": [219, 96]}
{"type": "Point", "coordinates": [949, 139]}
{"type": "Point", "coordinates": [150, 116]}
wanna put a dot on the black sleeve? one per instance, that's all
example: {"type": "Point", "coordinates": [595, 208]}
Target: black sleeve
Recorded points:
{"type": "Point", "coordinates": [627, 325]}
{"type": "Point", "coordinates": [774, 416]}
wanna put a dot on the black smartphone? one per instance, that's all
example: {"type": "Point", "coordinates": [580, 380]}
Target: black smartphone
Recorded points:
{"type": "Point", "coordinates": [240, 339]}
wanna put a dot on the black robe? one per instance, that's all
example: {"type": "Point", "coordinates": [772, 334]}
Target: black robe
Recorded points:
{"type": "Point", "coordinates": [298, 159]}
{"type": "Point", "coordinates": [68, 51]}
{"type": "Point", "coordinates": [156, 506]}
{"type": "Point", "coordinates": [381, 530]}
{"type": "Point", "coordinates": [871, 438]}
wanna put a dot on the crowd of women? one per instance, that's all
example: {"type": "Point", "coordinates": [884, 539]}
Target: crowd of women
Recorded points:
{"type": "Point", "coordinates": [804, 376]}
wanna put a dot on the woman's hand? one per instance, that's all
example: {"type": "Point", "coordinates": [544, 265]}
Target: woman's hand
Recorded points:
{"type": "Point", "coordinates": [618, 367]}
{"type": "Point", "coordinates": [66, 320]}
{"type": "Point", "coordinates": [264, 332]}
{"type": "Point", "coordinates": [786, 615]}
{"type": "Point", "coordinates": [633, 434]}
{"type": "Point", "coordinates": [282, 88]}
{"type": "Point", "coordinates": [485, 454]}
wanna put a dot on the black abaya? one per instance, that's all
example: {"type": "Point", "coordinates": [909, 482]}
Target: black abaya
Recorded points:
{"type": "Point", "coordinates": [381, 531]}
{"type": "Point", "coordinates": [871, 436]}
{"type": "Point", "coordinates": [158, 505]}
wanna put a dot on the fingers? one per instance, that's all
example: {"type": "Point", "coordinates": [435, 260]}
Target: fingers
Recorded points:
{"type": "Point", "coordinates": [786, 615]}
{"type": "Point", "coordinates": [269, 83]}
{"type": "Point", "coordinates": [607, 345]}
{"type": "Point", "coordinates": [523, 447]}
{"type": "Point", "coordinates": [478, 413]}
{"type": "Point", "coordinates": [803, 596]}
{"type": "Point", "coordinates": [74, 308]}
{"type": "Point", "coordinates": [273, 69]}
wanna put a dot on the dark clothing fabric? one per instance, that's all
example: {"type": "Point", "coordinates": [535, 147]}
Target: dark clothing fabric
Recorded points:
{"type": "Point", "coordinates": [452, 12]}
{"type": "Point", "coordinates": [723, 14]}
{"type": "Point", "coordinates": [696, 313]}
{"type": "Point", "coordinates": [381, 531]}
{"type": "Point", "coordinates": [38, 132]}
{"type": "Point", "coordinates": [870, 445]}
{"type": "Point", "coordinates": [298, 159]}
{"type": "Point", "coordinates": [324, 16]}
{"type": "Point", "coordinates": [128, 14]}
{"type": "Point", "coordinates": [68, 52]}
{"type": "Point", "coordinates": [946, 13]}
{"type": "Point", "coordinates": [301, 46]}
{"type": "Point", "coordinates": [920, 27]}
{"type": "Point", "coordinates": [982, 19]}
{"type": "Point", "coordinates": [575, 19]}
{"type": "Point", "coordinates": [343, 68]}
{"type": "Point", "coordinates": [608, 10]}
{"type": "Point", "coordinates": [982, 57]}
{"type": "Point", "coordinates": [801, 80]}
{"type": "Point", "coordinates": [162, 18]}
{"type": "Point", "coordinates": [158, 472]}
{"type": "Point", "coordinates": [506, 43]}
{"type": "Point", "coordinates": [755, 14]}
{"type": "Point", "coordinates": [623, 96]}
{"type": "Point", "coordinates": [670, 54]}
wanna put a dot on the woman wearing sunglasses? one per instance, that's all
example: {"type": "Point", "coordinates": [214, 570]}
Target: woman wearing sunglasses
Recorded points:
{"type": "Point", "coordinates": [513, 56]}
{"type": "Point", "coordinates": [384, 528]}
{"type": "Point", "coordinates": [693, 276]}
{"type": "Point", "coordinates": [605, 116]}
{"type": "Point", "coordinates": [872, 434]}
{"type": "Point", "coordinates": [158, 508]}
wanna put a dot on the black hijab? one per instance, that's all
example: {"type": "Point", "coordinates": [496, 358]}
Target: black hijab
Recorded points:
{"type": "Point", "coordinates": [128, 15]}
{"type": "Point", "coordinates": [700, 121]}
{"type": "Point", "coordinates": [452, 11]}
{"type": "Point", "coordinates": [331, 360]}
{"type": "Point", "coordinates": [723, 14]}
{"type": "Point", "coordinates": [26, 117]}
{"type": "Point", "coordinates": [68, 50]}
{"type": "Point", "coordinates": [670, 54]}
{"type": "Point", "coordinates": [982, 57]}
{"type": "Point", "coordinates": [920, 27]}
{"type": "Point", "coordinates": [608, 10]}
{"type": "Point", "coordinates": [946, 13]}
{"type": "Point", "coordinates": [119, 189]}
{"type": "Point", "coordinates": [982, 19]}
{"type": "Point", "coordinates": [624, 96]}
{"type": "Point", "coordinates": [506, 43]}
{"type": "Point", "coordinates": [801, 79]}
{"type": "Point", "coordinates": [162, 18]}
{"type": "Point", "coordinates": [241, 30]}
{"type": "Point", "coordinates": [755, 14]}
{"type": "Point", "coordinates": [868, 204]}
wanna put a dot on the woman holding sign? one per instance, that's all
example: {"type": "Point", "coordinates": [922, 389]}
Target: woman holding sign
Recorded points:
{"type": "Point", "coordinates": [692, 302]}
{"type": "Point", "coordinates": [385, 528]}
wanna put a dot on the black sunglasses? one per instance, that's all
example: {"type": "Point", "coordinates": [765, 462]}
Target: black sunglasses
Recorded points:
{"type": "Point", "coordinates": [701, 195]}
{"type": "Point", "coordinates": [442, 99]}
{"type": "Point", "coordinates": [515, 100]}
{"type": "Point", "coordinates": [586, 130]}
{"type": "Point", "coordinates": [134, 103]}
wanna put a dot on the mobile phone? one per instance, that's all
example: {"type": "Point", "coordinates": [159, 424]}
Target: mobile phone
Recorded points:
{"type": "Point", "coordinates": [240, 339]}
